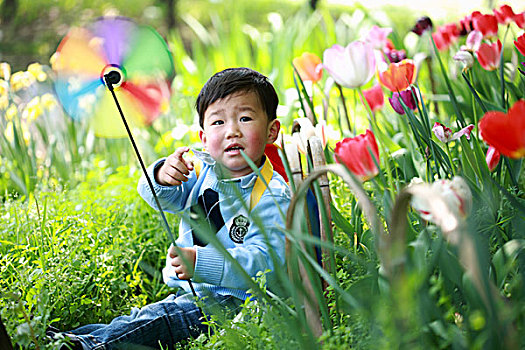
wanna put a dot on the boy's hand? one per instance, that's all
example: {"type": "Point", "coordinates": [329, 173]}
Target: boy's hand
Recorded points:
{"type": "Point", "coordinates": [175, 169]}
{"type": "Point", "coordinates": [183, 271]}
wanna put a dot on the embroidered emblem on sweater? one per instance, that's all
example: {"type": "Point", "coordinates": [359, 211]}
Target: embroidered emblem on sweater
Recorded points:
{"type": "Point", "coordinates": [239, 229]}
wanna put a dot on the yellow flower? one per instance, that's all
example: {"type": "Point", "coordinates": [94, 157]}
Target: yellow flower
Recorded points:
{"type": "Point", "coordinates": [21, 80]}
{"type": "Point", "coordinates": [8, 132]}
{"type": "Point", "coordinates": [5, 70]}
{"type": "Point", "coordinates": [4, 102]}
{"type": "Point", "coordinates": [33, 110]}
{"type": "Point", "coordinates": [4, 88]}
{"type": "Point", "coordinates": [25, 132]}
{"type": "Point", "coordinates": [48, 101]}
{"type": "Point", "coordinates": [11, 112]}
{"type": "Point", "coordinates": [36, 70]}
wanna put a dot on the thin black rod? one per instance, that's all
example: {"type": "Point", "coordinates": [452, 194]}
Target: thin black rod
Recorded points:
{"type": "Point", "coordinates": [5, 340]}
{"type": "Point", "coordinates": [109, 84]}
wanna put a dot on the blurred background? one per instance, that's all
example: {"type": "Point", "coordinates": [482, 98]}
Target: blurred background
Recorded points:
{"type": "Point", "coordinates": [30, 30]}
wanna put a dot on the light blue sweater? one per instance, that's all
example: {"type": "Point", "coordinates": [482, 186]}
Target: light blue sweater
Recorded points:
{"type": "Point", "coordinates": [213, 271]}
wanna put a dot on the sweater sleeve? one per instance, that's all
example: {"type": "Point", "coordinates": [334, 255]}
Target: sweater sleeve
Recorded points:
{"type": "Point", "coordinates": [172, 198]}
{"type": "Point", "coordinates": [263, 248]}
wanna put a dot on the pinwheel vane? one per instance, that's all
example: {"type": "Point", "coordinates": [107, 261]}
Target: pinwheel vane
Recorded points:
{"type": "Point", "coordinates": [129, 60]}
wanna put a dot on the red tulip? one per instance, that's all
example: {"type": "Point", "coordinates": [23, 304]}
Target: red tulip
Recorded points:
{"type": "Point", "coordinates": [465, 24]}
{"type": "Point", "coordinates": [398, 76]}
{"type": "Point", "coordinates": [309, 67]}
{"type": "Point", "coordinates": [489, 55]}
{"type": "Point", "coordinates": [505, 131]}
{"type": "Point", "coordinates": [445, 36]}
{"type": "Point", "coordinates": [504, 14]}
{"type": "Point", "coordinates": [520, 44]}
{"type": "Point", "coordinates": [492, 158]}
{"type": "Point", "coordinates": [519, 19]}
{"type": "Point", "coordinates": [356, 153]}
{"type": "Point", "coordinates": [375, 97]}
{"type": "Point", "coordinates": [486, 24]}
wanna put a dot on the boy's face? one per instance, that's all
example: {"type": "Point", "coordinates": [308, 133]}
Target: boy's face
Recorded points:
{"type": "Point", "coordinates": [234, 123]}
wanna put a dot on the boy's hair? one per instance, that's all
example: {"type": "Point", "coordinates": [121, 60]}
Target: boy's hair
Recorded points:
{"type": "Point", "coordinates": [234, 80]}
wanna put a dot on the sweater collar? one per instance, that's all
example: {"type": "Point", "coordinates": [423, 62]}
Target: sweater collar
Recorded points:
{"type": "Point", "coordinates": [245, 181]}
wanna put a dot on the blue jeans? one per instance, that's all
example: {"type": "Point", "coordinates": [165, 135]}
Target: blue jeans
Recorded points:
{"type": "Point", "coordinates": [163, 323]}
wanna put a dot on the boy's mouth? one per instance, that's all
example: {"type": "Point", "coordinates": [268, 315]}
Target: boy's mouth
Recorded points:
{"type": "Point", "coordinates": [234, 148]}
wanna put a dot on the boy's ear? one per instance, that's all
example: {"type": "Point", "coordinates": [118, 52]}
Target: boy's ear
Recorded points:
{"type": "Point", "coordinates": [202, 136]}
{"type": "Point", "coordinates": [273, 130]}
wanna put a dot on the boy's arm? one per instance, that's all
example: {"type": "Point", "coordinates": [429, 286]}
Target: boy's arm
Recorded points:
{"type": "Point", "coordinates": [172, 179]}
{"type": "Point", "coordinates": [254, 255]}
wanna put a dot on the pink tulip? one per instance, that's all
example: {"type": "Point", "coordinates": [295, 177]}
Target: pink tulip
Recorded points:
{"type": "Point", "coordinates": [492, 158]}
{"type": "Point", "coordinates": [445, 35]}
{"type": "Point", "coordinates": [350, 66]}
{"type": "Point", "coordinates": [489, 55]}
{"type": "Point", "coordinates": [377, 37]}
{"type": "Point", "coordinates": [375, 97]}
{"type": "Point", "coordinates": [444, 134]}
{"type": "Point", "coordinates": [473, 41]}
{"type": "Point", "coordinates": [356, 153]}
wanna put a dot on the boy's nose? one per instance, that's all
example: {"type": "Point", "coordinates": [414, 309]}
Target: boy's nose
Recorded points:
{"type": "Point", "coordinates": [233, 131]}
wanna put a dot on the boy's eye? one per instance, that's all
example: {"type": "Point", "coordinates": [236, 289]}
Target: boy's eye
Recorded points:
{"type": "Point", "coordinates": [217, 122]}
{"type": "Point", "coordinates": [245, 119]}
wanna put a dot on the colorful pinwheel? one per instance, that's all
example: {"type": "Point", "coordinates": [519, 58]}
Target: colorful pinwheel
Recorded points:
{"type": "Point", "coordinates": [137, 58]}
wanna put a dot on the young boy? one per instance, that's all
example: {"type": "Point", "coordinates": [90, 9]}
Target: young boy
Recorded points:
{"type": "Point", "coordinates": [237, 111]}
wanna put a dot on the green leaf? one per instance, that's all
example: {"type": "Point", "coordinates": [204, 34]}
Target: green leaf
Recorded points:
{"type": "Point", "coordinates": [504, 259]}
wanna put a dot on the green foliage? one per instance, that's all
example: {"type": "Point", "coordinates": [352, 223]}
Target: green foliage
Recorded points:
{"type": "Point", "coordinates": [71, 257]}
{"type": "Point", "coordinates": [78, 246]}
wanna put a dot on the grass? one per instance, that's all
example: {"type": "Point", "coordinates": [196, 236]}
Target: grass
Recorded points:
{"type": "Point", "coordinates": [77, 256]}
{"type": "Point", "coordinates": [78, 245]}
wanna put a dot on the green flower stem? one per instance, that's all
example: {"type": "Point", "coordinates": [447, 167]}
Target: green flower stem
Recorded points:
{"type": "Point", "coordinates": [502, 70]}
{"type": "Point", "coordinates": [453, 168]}
{"type": "Point", "coordinates": [433, 88]}
{"type": "Point", "coordinates": [343, 101]}
{"type": "Point", "coordinates": [383, 148]}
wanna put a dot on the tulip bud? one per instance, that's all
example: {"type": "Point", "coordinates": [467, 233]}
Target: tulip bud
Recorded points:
{"type": "Point", "coordinates": [309, 67]}
{"type": "Point", "coordinates": [395, 56]}
{"type": "Point", "coordinates": [360, 154]}
{"type": "Point", "coordinates": [520, 44]}
{"type": "Point", "coordinates": [473, 42]}
{"type": "Point", "coordinates": [422, 25]}
{"type": "Point", "coordinates": [5, 71]}
{"type": "Point", "coordinates": [465, 58]}
{"type": "Point", "coordinates": [374, 97]}
{"type": "Point", "coordinates": [492, 158]}
{"type": "Point", "coordinates": [489, 55]}
{"type": "Point", "coordinates": [456, 195]}
{"type": "Point", "coordinates": [408, 98]}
